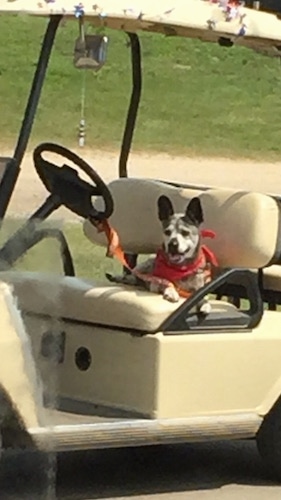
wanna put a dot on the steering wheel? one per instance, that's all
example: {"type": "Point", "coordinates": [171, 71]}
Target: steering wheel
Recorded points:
{"type": "Point", "coordinates": [67, 188]}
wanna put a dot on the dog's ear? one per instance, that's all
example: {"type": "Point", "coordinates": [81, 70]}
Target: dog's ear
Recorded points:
{"type": "Point", "coordinates": [194, 211]}
{"type": "Point", "coordinates": [165, 208]}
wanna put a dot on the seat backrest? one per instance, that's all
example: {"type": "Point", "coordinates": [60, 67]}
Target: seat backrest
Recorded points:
{"type": "Point", "coordinates": [247, 227]}
{"type": "Point", "coordinates": [247, 224]}
{"type": "Point", "coordinates": [135, 215]}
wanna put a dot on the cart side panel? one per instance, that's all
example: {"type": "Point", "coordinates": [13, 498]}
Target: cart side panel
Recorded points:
{"type": "Point", "coordinates": [18, 376]}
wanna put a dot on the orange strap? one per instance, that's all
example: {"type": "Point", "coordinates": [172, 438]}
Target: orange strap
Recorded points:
{"type": "Point", "coordinates": [114, 250]}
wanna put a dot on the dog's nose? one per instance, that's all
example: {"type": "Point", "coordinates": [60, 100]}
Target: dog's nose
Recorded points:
{"type": "Point", "coordinates": [173, 245]}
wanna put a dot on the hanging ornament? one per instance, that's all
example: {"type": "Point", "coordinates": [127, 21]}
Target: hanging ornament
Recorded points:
{"type": "Point", "coordinates": [89, 53]}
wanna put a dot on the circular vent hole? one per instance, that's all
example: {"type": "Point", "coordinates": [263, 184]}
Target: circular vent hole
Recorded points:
{"type": "Point", "coordinates": [83, 358]}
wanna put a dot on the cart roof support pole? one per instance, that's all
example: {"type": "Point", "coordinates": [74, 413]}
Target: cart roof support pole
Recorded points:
{"type": "Point", "coordinates": [36, 88]}
{"type": "Point", "coordinates": [12, 169]}
{"type": "Point", "coordinates": [134, 104]}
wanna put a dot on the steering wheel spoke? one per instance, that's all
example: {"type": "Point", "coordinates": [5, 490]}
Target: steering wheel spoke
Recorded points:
{"type": "Point", "coordinates": [64, 182]}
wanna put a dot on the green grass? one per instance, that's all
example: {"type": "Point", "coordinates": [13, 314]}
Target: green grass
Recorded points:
{"type": "Point", "coordinates": [90, 260]}
{"type": "Point", "coordinates": [197, 98]}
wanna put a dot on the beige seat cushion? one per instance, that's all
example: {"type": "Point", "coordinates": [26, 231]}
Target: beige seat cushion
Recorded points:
{"type": "Point", "coordinates": [247, 227]}
{"type": "Point", "coordinates": [76, 299]}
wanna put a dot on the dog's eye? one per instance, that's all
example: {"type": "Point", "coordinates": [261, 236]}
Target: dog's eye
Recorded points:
{"type": "Point", "coordinates": [168, 232]}
{"type": "Point", "coordinates": [185, 232]}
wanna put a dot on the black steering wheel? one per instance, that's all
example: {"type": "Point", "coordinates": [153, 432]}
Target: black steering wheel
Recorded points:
{"type": "Point", "coordinates": [67, 188]}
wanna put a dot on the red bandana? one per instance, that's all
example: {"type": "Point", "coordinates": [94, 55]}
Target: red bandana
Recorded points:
{"type": "Point", "coordinates": [164, 269]}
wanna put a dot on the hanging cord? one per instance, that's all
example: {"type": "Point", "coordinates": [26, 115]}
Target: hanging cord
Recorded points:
{"type": "Point", "coordinates": [82, 124]}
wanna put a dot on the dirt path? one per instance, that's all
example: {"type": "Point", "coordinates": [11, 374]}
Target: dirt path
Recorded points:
{"type": "Point", "coordinates": [30, 192]}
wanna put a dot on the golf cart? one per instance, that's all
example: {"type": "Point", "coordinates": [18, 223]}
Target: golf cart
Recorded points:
{"type": "Point", "coordinates": [128, 367]}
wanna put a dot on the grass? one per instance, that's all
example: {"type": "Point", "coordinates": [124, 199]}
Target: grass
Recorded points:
{"type": "Point", "coordinates": [90, 261]}
{"type": "Point", "coordinates": [198, 99]}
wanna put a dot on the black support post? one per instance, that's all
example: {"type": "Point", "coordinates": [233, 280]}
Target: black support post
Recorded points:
{"type": "Point", "coordinates": [134, 104]}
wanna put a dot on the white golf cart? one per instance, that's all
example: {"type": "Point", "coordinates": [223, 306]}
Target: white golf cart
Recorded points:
{"type": "Point", "coordinates": [127, 367]}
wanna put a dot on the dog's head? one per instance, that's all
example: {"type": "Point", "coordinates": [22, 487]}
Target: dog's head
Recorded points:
{"type": "Point", "coordinates": [181, 231]}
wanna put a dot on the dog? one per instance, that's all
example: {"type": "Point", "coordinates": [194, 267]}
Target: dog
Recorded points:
{"type": "Point", "coordinates": [180, 261]}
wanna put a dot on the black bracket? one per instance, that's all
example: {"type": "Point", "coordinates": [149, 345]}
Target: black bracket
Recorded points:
{"type": "Point", "coordinates": [179, 320]}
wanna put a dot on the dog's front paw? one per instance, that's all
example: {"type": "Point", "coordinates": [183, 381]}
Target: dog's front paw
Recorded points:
{"type": "Point", "coordinates": [205, 308]}
{"type": "Point", "coordinates": [171, 294]}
